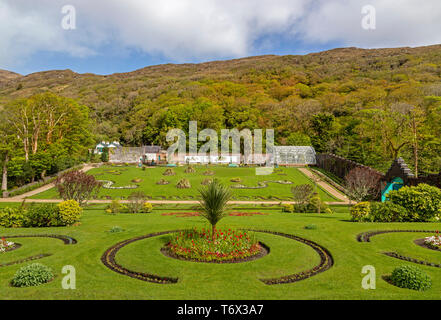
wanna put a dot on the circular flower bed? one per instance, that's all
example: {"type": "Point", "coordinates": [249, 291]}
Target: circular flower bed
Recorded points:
{"type": "Point", "coordinates": [7, 245]}
{"type": "Point", "coordinates": [227, 246]}
{"type": "Point", "coordinates": [433, 242]}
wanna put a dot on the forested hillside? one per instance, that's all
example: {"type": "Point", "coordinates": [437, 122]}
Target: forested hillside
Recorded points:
{"type": "Point", "coordinates": [367, 105]}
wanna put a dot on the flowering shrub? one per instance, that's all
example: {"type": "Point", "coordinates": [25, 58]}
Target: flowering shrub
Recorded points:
{"type": "Point", "coordinates": [246, 214]}
{"type": "Point", "coordinates": [6, 245]}
{"type": "Point", "coordinates": [69, 212]}
{"type": "Point", "coordinates": [227, 245]}
{"type": "Point", "coordinates": [433, 241]}
{"type": "Point", "coordinates": [182, 214]}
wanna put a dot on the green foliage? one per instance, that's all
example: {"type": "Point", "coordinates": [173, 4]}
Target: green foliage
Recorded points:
{"type": "Point", "coordinates": [69, 212]}
{"type": "Point", "coordinates": [423, 201]}
{"type": "Point", "coordinates": [114, 207]}
{"type": "Point", "coordinates": [214, 202]}
{"type": "Point", "coordinates": [13, 217]}
{"type": "Point", "coordinates": [311, 227]}
{"type": "Point", "coordinates": [360, 212]}
{"type": "Point", "coordinates": [288, 208]}
{"type": "Point", "coordinates": [298, 139]}
{"type": "Point", "coordinates": [105, 155]}
{"type": "Point", "coordinates": [137, 201]}
{"type": "Point", "coordinates": [316, 205]}
{"type": "Point", "coordinates": [389, 212]}
{"type": "Point", "coordinates": [42, 215]}
{"type": "Point", "coordinates": [116, 229]}
{"type": "Point", "coordinates": [32, 275]}
{"type": "Point", "coordinates": [147, 207]}
{"type": "Point", "coordinates": [411, 277]}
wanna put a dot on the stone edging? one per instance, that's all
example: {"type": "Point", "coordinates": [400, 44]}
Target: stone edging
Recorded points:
{"type": "Point", "coordinates": [65, 239]}
{"type": "Point", "coordinates": [38, 256]}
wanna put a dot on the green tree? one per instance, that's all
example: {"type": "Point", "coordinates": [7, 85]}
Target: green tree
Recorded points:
{"type": "Point", "coordinates": [214, 203]}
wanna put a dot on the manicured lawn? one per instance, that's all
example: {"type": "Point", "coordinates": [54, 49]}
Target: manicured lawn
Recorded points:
{"type": "Point", "coordinates": [220, 281]}
{"type": "Point", "coordinates": [123, 176]}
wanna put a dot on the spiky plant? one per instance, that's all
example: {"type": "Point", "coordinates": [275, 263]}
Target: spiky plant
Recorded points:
{"type": "Point", "coordinates": [214, 203]}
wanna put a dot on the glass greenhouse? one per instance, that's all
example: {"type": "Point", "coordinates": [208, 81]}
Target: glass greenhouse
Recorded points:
{"type": "Point", "coordinates": [294, 155]}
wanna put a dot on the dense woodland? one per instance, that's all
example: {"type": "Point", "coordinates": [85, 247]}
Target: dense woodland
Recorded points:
{"type": "Point", "coordinates": [366, 105]}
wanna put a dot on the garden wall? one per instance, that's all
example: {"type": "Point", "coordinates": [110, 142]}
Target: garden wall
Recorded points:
{"type": "Point", "coordinates": [340, 167]}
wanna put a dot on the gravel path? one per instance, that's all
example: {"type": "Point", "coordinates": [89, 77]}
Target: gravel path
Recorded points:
{"type": "Point", "coordinates": [326, 186]}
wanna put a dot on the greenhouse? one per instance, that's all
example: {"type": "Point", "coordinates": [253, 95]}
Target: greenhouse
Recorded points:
{"type": "Point", "coordinates": [294, 155]}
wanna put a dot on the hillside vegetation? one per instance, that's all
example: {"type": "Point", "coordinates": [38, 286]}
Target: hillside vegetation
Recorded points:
{"type": "Point", "coordinates": [366, 105]}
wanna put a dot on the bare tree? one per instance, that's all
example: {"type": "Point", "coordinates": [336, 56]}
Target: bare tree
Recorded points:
{"type": "Point", "coordinates": [362, 184]}
{"type": "Point", "coordinates": [302, 193]}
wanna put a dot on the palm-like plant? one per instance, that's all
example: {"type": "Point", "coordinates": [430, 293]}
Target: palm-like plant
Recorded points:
{"type": "Point", "coordinates": [214, 203]}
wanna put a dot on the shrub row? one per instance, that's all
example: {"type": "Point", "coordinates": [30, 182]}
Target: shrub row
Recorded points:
{"type": "Point", "coordinates": [41, 215]}
{"type": "Point", "coordinates": [409, 204]}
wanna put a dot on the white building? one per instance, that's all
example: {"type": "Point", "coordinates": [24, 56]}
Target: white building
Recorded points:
{"type": "Point", "coordinates": [103, 144]}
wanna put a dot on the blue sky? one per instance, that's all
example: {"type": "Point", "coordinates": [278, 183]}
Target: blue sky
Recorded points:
{"type": "Point", "coordinates": [120, 36]}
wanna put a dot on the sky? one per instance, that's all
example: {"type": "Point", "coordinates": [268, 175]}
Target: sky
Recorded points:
{"type": "Point", "coordinates": [108, 36]}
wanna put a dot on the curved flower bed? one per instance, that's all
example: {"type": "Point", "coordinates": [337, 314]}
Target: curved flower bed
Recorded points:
{"type": "Point", "coordinates": [261, 184]}
{"type": "Point", "coordinates": [36, 257]}
{"type": "Point", "coordinates": [108, 185]}
{"type": "Point", "coordinates": [366, 236]}
{"type": "Point", "coordinates": [108, 259]}
{"type": "Point", "coordinates": [433, 242]}
{"type": "Point", "coordinates": [65, 239]}
{"type": "Point", "coordinates": [7, 245]}
{"type": "Point", "coordinates": [226, 246]}
{"type": "Point", "coordinates": [326, 261]}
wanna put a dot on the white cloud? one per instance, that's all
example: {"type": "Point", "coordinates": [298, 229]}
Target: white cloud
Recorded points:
{"type": "Point", "coordinates": [208, 29]}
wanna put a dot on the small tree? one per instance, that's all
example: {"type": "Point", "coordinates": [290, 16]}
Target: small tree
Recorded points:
{"type": "Point", "coordinates": [77, 185]}
{"type": "Point", "coordinates": [214, 203]}
{"type": "Point", "coordinates": [105, 155]}
{"type": "Point", "coordinates": [136, 201]}
{"type": "Point", "coordinates": [302, 193]}
{"type": "Point", "coordinates": [362, 184]}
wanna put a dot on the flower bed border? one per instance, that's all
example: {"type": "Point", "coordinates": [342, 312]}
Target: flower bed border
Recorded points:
{"type": "Point", "coordinates": [261, 184]}
{"type": "Point", "coordinates": [326, 260]}
{"type": "Point", "coordinates": [421, 243]}
{"type": "Point", "coordinates": [36, 257]}
{"type": "Point", "coordinates": [366, 236]}
{"type": "Point", "coordinates": [264, 250]}
{"type": "Point", "coordinates": [65, 239]}
{"type": "Point", "coordinates": [14, 247]}
{"type": "Point", "coordinates": [108, 259]}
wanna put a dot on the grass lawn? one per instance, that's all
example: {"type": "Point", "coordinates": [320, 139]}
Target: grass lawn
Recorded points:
{"type": "Point", "coordinates": [220, 281]}
{"type": "Point", "coordinates": [123, 176]}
